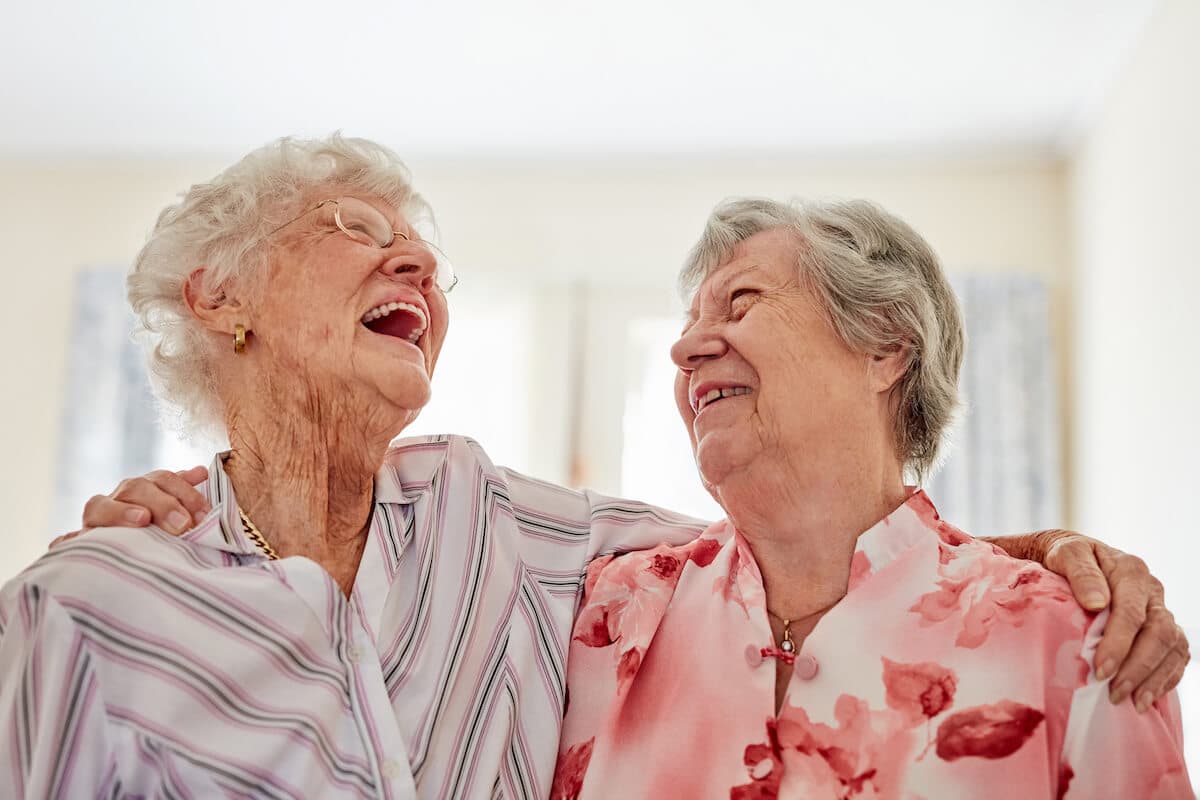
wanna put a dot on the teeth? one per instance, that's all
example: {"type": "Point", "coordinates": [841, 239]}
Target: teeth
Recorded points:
{"type": "Point", "coordinates": [387, 308]}
{"type": "Point", "coordinates": [717, 394]}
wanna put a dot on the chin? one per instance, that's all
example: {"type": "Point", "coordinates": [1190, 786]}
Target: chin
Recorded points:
{"type": "Point", "coordinates": [716, 458]}
{"type": "Point", "coordinates": [410, 391]}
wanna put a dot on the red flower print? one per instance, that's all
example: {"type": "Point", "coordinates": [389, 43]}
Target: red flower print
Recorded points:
{"type": "Point", "coordinates": [624, 601]}
{"type": "Point", "coordinates": [860, 569]}
{"type": "Point", "coordinates": [991, 731]}
{"type": "Point", "coordinates": [591, 626]}
{"type": "Point", "coordinates": [987, 591]}
{"type": "Point", "coordinates": [1065, 773]}
{"type": "Point", "coordinates": [765, 768]}
{"type": "Point", "coordinates": [568, 773]}
{"type": "Point", "coordinates": [703, 551]}
{"type": "Point", "coordinates": [919, 691]}
{"type": "Point", "coordinates": [664, 566]}
{"type": "Point", "coordinates": [628, 666]}
{"type": "Point", "coordinates": [866, 755]}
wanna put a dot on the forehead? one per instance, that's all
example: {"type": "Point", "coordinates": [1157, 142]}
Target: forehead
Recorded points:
{"type": "Point", "coordinates": [769, 254]}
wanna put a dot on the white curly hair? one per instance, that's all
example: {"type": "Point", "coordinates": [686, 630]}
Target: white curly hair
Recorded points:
{"type": "Point", "coordinates": [222, 225]}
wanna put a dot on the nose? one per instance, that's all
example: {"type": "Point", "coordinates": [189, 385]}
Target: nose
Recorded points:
{"type": "Point", "coordinates": [698, 344]}
{"type": "Point", "coordinates": [413, 263]}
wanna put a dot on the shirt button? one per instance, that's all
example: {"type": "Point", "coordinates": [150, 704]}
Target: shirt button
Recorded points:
{"type": "Point", "coordinates": [753, 655]}
{"type": "Point", "coordinates": [354, 654]}
{"type": "Point", "coordinates": [390, 769]}
{"type": "Point", "coordinates": [806, 667]}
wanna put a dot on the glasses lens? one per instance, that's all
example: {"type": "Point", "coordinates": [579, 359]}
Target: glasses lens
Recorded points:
{"type": "Point", "coordinates": [363, 222]}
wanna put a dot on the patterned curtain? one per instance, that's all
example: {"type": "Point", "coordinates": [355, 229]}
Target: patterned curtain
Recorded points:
{"type": "Point", "coordinates": [1003, 468]}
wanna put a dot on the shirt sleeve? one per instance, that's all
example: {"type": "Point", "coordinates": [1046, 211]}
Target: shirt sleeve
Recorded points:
{"type": "Point", "coordinates": [1113, 751]}
{"type": "Point", "coordinates": [564, 529]}
{"type": "Point", "coordinates": [53, 727]}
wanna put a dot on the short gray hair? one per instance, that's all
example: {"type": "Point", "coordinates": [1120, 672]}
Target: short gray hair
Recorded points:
{"type": "Point", "coordinates": [223, 226]}
{"type": "Point", "coordinates": [881, 287]}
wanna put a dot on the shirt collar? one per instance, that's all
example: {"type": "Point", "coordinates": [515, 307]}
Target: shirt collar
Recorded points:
{"type": "Point", "coordinates": [914, 521]}
{"type": "Point", "coordinates": [407, 473]}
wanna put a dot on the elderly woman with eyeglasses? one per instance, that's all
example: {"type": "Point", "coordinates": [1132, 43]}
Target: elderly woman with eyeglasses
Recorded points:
{"type": "Point", "coordinates": [347, 619]}
{"type": "Point", "coordinates": [344, 617]}
{"type": "Point", "coordinates": [833, 637]}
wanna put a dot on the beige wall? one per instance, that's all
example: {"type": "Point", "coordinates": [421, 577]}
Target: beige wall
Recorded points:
{"type": "Point", "coordinates": [617, 225]}
{"type": "Point", "coordinates": [1136, 189]}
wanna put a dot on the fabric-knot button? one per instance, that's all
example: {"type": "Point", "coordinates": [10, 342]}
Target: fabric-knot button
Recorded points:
{"type": "Point", "coordinates": [806, 667]}
{"type": "Point", "coordinates": [754, 655]}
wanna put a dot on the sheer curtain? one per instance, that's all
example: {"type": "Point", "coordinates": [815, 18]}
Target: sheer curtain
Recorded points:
{"type": "Point", "coordinates": [1003, 465]}
{"type": "Point", "coordinates": [110, 424]}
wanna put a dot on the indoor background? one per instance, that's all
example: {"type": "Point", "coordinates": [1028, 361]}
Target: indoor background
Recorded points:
{"type": "Point", "coordinates": [1048, 149]}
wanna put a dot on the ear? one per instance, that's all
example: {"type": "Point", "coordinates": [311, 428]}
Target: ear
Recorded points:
{"type": "Point", "coordinates": [218, 312]}
{"type": "Point", "coordinates": [885, 371]}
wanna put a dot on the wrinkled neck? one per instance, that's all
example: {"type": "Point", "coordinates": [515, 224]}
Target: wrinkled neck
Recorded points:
{"type": "Point", "coordinates": [803, 525]}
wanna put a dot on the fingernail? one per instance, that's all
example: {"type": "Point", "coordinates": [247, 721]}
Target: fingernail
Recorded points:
{"type": "Point", "coordinates": [1120, 693]}
{"type": "Point", "coordinates": [1145, 699]}
{"type": "Point", "coordinates": [1093, 600]}
{"type": "Point", "coordinates": [135, 515]}
{"type": "Point", "coordinates": [177, 521]}
{"type": "Point", "coordinates": [1104, 670]}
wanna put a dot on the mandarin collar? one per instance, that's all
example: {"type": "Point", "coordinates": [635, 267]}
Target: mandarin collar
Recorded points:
{"type": "Point", "coordinates": [913, 521]}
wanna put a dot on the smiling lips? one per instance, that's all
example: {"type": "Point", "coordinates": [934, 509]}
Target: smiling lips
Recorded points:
{"type": "Point", "coordinates": [398, 319]}
{"type": "Point", "coordinates": [700, 401]}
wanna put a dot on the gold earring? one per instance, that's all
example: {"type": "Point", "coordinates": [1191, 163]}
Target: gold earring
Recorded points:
{"type": "Point", "coordinates": [239, 339]}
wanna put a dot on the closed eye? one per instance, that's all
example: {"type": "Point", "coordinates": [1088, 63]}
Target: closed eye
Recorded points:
{"type": "Point", "coordinates": [740, 301]}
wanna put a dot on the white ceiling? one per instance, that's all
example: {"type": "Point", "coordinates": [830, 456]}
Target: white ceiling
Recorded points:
{"type": "Point", "coordinates": [523, 77]}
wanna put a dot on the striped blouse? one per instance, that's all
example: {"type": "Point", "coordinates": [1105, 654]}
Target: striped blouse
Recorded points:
{"type": "Point", "coordinates": [146, 664]}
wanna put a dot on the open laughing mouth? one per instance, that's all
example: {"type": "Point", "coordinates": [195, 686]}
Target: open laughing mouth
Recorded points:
{"type": "Point", "coordinates": [397, 319]}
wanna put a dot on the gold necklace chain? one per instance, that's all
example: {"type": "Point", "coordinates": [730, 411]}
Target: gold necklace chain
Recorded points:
{"type": "Point", "coordinates": [255, 535]}
{"type": "Point", "coordinates": [787, 644]}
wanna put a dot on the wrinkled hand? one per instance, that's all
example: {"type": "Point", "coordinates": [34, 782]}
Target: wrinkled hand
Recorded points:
{"type": "Point", "coordinates": [166, 499]}
{"type": "Point", "coordinates": [1143, 649]}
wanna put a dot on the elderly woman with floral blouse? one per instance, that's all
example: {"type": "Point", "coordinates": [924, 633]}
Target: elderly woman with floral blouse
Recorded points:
{"type": "Point", "coordinates": [341, 616]}
{"type": "Point", "coordinates": [833, 637]}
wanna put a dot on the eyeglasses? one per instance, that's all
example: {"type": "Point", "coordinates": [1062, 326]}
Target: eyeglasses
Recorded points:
{"type": "Point", "coordinates": [365, 224]}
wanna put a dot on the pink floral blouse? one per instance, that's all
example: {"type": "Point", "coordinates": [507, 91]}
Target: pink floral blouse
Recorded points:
{"type": "Point", "coordinates": [949, 670]}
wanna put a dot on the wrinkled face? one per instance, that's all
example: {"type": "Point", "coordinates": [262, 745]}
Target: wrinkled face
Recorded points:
{"type": "Point", "coordinates": [764, 382]}
{"type": "Point", "coordinates": [337, 315]}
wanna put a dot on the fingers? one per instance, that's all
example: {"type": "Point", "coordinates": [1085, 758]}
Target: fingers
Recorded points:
{"type": "Point", "coordinates": [103, 511]}
{"type": "Point", "coordinates": [182, 491]}
{"type": "Point", "coordinates": [1074, 557]}
{"type": "Point", "coordinates": [1134, 592]}
{"type": "Point", "coordinates": [1158, 652]}
{"type": "Point", "coordinates": [165, 498]}
{"type": "Point", "coordinates": [194, 475]}
{"type": "Point", "coordinates": [1164, 678]}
